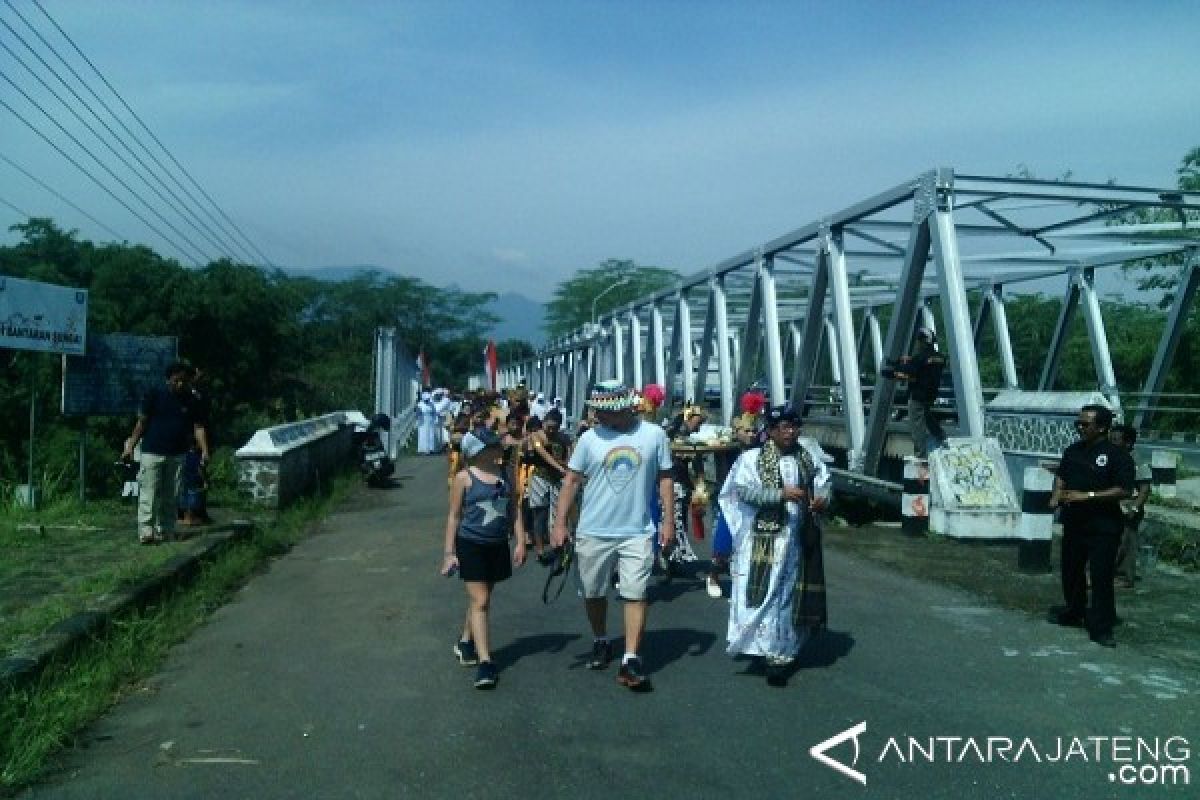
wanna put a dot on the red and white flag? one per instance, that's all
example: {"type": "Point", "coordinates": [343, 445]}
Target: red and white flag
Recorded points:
{"type": "Point", "coordinates": [491, 364]}
{"type": "Point", "coordinates": [423, 367]}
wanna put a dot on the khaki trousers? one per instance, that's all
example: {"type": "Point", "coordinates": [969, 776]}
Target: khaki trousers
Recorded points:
{"type": "Point", "coordinates": [158, 494]}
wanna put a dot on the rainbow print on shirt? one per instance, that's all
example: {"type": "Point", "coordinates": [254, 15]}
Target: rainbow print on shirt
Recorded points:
{"type": "Point", "coordinates": [620, 466]}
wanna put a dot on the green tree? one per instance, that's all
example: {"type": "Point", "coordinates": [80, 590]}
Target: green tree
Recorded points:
{"type": "Point", "coordinates": [573, 299]}
{"type": "Point", "coordinates": [1162, 274]}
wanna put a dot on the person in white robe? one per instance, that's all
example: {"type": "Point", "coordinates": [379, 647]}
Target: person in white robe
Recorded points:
{"type": "Point", "coordinates": [441, 404]}
{"type": "Point", "coordinates": [428, 434]}
{"type": "Point", "coordinates": [771, 500]}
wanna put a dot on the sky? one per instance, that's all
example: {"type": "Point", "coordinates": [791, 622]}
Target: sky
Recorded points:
{"type": "Point", "coordinates": [503, 146]}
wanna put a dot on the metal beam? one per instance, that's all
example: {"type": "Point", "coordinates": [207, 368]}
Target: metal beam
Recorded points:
{"type": "Point", "coordinates": [1054, 354]}
{"type": "Point", "coordinates": [751, 341]}
{"type": "Point", "coordinates": [699, 382]}
{"type": "Point", "coordinates": [657, 345]}
{"type": "Point", "coordinates": [842, 341]}
{"type": "Point", "coordinates": [968, 390]}
{"type": "Point", "coordinates": [904, 314]}
{"type": "Point", "coordinates": [1098, 338]}
{"type": "Point", "coordinates": [995, 298]}
{"type": "Point", "coordinates": [806, 359]}
{"type": "Point", "coordinates": [1181, 306]}
{"type": "Point", "coordinates": [772, 343]}
{"type": "Point", "coordinates": [683, 325]}
{"type": "Point", "coordinates": [635, 348]}
{"type": "Point", "coordinates": [724, 367]}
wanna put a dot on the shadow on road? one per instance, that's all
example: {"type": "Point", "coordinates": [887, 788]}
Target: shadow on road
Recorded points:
{"type": "Point", "coordinates": [661, 647]}
{"type": "Point", "coordinates": [511, 653]}
{"type": "Point", "coordinates": [822, 651]}
{"type": "Point", "coordinates": [825, 649]}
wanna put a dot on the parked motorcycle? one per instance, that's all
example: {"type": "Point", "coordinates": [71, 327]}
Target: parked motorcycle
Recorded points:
{"type": "Point", "coordinates": [376, 466]}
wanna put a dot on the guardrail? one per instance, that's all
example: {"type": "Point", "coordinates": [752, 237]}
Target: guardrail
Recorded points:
{"type": "Point", "coordinates": [285, 462]}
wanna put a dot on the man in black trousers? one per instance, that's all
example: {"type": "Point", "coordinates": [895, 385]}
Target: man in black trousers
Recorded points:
{"type": "Point", "coordinates": [1094, 476]}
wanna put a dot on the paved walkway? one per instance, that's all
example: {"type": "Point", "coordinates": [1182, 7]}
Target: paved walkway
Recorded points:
{"type": "Point", "coordinates": [331, 676]}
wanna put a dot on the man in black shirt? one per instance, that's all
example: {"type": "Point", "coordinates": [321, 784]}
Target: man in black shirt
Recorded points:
{"type": "Point", "coordinates": [923, 373]}
{"type": "Point", "coordinates": [1094, 476]}
{"type": "Point", "coordinates": [169, 423]}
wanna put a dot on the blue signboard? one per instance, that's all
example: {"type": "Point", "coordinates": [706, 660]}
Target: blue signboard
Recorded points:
{"type": "Point", "coordinates": [116, 373]}
{"type": "Point", "coordinates": [42, 316]}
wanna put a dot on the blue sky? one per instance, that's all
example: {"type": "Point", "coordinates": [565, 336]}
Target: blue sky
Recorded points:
{"type": "Point", "coordinates": [503, 146]}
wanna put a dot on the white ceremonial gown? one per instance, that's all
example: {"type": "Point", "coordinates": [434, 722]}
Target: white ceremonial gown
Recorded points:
{"type": "Point", "coordinates": [428, 428]}
{"type": "Point", "coordinates": [767, 630]}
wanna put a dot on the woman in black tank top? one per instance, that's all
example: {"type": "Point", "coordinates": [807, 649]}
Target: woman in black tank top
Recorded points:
{"type": "Point", "coordinates": [478, 527]}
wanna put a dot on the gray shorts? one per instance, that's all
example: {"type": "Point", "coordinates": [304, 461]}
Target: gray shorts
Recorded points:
{"type": "Point", "coordinates": [633, 557]}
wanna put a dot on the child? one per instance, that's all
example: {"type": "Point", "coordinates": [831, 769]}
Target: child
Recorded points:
{"type": "Point", "coordinates": [477, 532]}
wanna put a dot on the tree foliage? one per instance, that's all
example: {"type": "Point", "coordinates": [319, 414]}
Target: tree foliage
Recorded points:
{"type": "Point", "coordinates": [575, 298]}
{"type": "Point", "coordinates": [275, 346]}
{"type": "Point", "coordinates": [1163, 274]}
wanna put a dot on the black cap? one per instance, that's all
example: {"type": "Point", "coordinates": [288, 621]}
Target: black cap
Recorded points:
{"type": "Point", "coordinates": [779, 414]}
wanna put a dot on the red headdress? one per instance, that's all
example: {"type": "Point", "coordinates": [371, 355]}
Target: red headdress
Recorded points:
{"type": "Point", "coordinates": [753, 403]}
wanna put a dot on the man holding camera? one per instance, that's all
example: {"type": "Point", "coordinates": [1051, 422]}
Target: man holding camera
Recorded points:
{"type": "Point", "coordinates": [922, 371]}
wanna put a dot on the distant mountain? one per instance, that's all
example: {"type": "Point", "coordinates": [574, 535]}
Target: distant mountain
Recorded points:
{"type": "Point", "coordinates": [330, 274]}
{"type": "Point", "coordinates": [520, 317]}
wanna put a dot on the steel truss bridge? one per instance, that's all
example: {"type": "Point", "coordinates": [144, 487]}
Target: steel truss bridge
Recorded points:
{"type": "Point", "coordinates": [809, 303]}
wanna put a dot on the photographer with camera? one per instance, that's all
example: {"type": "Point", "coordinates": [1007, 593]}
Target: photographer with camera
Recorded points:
{"type": "Point", "coordinates": [922, 371]}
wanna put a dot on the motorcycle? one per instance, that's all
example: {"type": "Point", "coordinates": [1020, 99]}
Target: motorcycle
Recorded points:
{"type": "Point", "coordinates": [374, 463]}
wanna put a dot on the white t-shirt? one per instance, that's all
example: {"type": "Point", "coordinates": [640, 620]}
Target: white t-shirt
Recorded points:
{"type": "Point", "coordinates": [622, 475]}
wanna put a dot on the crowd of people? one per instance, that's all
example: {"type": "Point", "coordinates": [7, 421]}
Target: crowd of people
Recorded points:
{"type": "Point", "coordinates": [625, 491]}
{"type": "Point", "coordinates": [630, 494]}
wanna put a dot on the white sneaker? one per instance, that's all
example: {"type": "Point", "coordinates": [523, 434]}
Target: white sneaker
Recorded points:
{"type": "Point", "coordinates": [713, 587]}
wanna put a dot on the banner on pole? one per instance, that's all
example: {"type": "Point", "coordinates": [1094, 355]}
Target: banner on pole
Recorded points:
{"type": "Point", "coordinates": [42, 317]}
{"type": "Point", "coordinates": [116, 373]}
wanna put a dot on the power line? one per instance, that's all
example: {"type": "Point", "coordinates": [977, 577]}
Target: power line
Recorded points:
{"type": "Point", "coordinates": [57, 194]}
{"type": "Point", "coordinates": [20, 211]}
{"type": "Point", "coordinates": [222, 242]}
{"type": "Point", "coordinates": [102, 165]}
{"type": "Point", "coordinates": [102, 140]}
{"type": "Point", "coordinates": [149, 132]}
{"type": "Point", "coordinates": [94, 179]}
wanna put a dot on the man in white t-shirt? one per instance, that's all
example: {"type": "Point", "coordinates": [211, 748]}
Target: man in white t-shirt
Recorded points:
{"type": "Point", "coordinates": [623, 461]}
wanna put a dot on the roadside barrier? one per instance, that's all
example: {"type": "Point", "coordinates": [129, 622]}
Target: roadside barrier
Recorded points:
{"type": "Point", "coordinates": [1037, 521]}
{"type": "Point", "coordinates": [914, 501]}
{"type": "Point", "coordinates": [1163, 469]}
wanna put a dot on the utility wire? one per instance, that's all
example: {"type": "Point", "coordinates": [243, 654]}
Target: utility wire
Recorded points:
{"type": "Point", "coordinates": [20, 211]}
{"type": "Point", "coordinates": [94, 179]}
{"type": "Point", "coordinates": [104, 142]}
{"type": "Point", "coordinates": [149, 132]}
{"type": "Point", "coordinates": [102, 165]}
{"type": "Point", "coordinates": [236, 248]}
{"type": "Point", "coordinates": [60, 196]}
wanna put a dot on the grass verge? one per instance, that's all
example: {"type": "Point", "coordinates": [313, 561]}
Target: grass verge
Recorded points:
{"type": "Point", "coordinates": [39, 719]}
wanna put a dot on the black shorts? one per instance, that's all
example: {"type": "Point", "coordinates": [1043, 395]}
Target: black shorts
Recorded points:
{"type": "Point", "coordinates": [488, 563]}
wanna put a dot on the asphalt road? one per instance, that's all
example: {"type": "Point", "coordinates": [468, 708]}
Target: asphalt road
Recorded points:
{"type": "Point", "coordinates": [331, 676]}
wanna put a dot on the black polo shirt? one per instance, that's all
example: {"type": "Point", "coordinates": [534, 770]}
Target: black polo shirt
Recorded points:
{"type": "Point", "coordinates": [171, 421]}
{"type": "Point", "coordinates": [1094, 468]}
{"type": "Point", "coordinates": [925, 367]}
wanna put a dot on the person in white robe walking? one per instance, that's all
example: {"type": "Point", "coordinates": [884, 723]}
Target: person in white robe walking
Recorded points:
{"type": "Point", "coordinates": [428, 433]}
{"type": "Point", "coordinates": [771, 500]}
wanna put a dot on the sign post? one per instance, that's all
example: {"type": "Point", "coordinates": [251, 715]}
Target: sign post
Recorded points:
{"type": "Point", "coordinates": [43, 318]}
{"type": "Point", "coordinates": [112, 378]}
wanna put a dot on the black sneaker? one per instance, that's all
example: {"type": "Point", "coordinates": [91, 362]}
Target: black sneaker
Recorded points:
{"type": "Point", "coordinates": [485, 676]}
{"type": "Point", "coordinates": [1104, 639]}
{"type": "Point", "coordinates": [1068, 620]}
{"type": "Point", "coordinates": [630, 676]}
{"type": "Point", "coordinates": [465, 652]}
{"type": "Point", "coordinates": [602, 654]}
{"type": "Point", "coordinates": [776, 675]}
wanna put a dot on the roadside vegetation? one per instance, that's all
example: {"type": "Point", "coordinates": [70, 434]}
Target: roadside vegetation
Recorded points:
{"type": "Point", "coordinates": [44, 716]}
